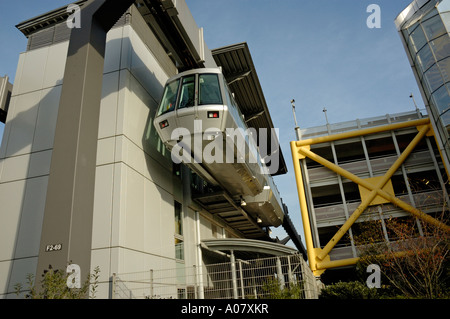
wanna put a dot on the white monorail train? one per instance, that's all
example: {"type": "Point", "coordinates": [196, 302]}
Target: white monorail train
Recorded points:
{"type": "Point", "coordinates": [200, 123]}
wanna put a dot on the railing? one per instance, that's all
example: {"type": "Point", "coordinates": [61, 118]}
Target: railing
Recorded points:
{"type": "Point", "coordinates": [283, 277]}
{"type": "Point", "coordinates": [321, 174]}
{"type": "Point", "coordinates": [426, 201]}
{"type": "Point", "coordinates": [357, 124]}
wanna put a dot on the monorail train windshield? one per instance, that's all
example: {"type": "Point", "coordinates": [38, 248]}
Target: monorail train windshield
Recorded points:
{"type": "Point", "coordinates": [169, 98]}
{"type": "Point", "coordinates": [209, 89]}
{"type": "Point", "coordinates": [199, 117]}
{"type": "Point", "coordinates": [209, 92]}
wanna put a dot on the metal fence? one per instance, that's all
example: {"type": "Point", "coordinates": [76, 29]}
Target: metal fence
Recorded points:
{"type": "Point", "coordinates": [284, 277]}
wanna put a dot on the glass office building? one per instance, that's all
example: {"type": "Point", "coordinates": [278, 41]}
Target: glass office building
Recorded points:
{"type": "Point", "coordinates": [424, 28]}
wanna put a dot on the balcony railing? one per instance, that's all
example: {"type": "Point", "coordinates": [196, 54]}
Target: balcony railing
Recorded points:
{"type": "Point", "coordinates": [359, 124]}
{"type": "Point", "coordinates": [321, 175]}
{"type": "Point", "coordinates": [335, 214]}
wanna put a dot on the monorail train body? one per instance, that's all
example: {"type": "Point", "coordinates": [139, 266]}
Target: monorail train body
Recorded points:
{"type": "Point", "coordinates": [199, 121]}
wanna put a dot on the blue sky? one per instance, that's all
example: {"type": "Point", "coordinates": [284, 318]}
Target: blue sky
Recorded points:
{"type": "Point", "coordinates": [319, 52]}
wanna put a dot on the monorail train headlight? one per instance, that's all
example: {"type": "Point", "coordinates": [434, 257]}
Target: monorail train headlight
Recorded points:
{"type": "Point", "coordinates": [163, 124]}
{"type": "Point", "coordinates": [213, 114]}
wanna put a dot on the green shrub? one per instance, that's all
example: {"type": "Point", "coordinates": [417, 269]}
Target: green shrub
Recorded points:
{"type": "Point", "coordinates": [53, 285]}
{"type": "Point", "coordinates": [271, 290]}
{"type": "Point", "coordinates": [348, 290]}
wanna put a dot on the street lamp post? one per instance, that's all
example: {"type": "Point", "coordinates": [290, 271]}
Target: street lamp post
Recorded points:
{"type": "Point", "coordinates": [297, 128]}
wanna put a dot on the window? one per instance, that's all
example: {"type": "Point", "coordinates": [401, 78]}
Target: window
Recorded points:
{"type": "Point", "coordinates": [433, 78]}
{"type": "Point", "coordinates": [380, 147]}
{"type": "Point", "coordinates": [350, 152]}
{"type": "Point", "coordinates": [187, 96]}
{"type": "Point", "coordinates": [181, 293]}
{"type": "Point", "coordinates": [441, 98]}
{"type": "Point", "coordinates": [179, 249]}
{"type": "Point", "coordinates": [234, 109]}
{"type": "Point", "coordinates": [418, 39]}
{"type": "Point", "coordinates": [179, 239]}
{"type": "Point", "coordinates": [178, 219]}
{"type": "Point", "coordinates": [444, 67]}
{"type": "Point", "coordinates": [425, 58]}
{"type": "Point", "coordinates": [440, 47]}
{"type": "Point", "coordinates": [434, 27]}
{"type": "Point", "coordinates": [445, 120]}
{"type": "Point", "coordinates": [209, 89]}
{"type": "Point", "coordinates": [169, 98]}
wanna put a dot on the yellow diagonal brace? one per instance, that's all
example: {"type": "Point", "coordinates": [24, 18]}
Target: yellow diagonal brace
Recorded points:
{"type": "Point", "coordinates": [351, 261]}
{"type": "Point", "coordinates": [303, 207]}
{"type": "Point", "coordinates": [377, 190]}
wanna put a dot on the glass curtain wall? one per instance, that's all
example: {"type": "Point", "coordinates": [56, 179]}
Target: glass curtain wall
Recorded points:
{"type": "Point", "coordinates": [426, 35]}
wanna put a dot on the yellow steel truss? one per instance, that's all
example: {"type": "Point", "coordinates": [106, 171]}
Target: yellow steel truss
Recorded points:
{"type": "Point", "coordinates": [376, 189]}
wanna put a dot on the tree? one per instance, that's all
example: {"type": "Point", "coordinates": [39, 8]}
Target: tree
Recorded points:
{"type": "Point", "coordinates": [54, 286]}
{"type": "Point", "coordinates": [416, 265]}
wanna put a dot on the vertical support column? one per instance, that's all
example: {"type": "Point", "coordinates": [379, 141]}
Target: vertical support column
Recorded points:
{"type": "Point", "coordinates": [201, 292]}
{"type": "Point", "coordinates": [290, 274]}
{"type": "Point", "coordinates": [233, 275]}
{"type": "Point", "coordinates": [309, 202]}
{"type": "Point", "coordinates": [280, 275]}
{"type": "Point", "coordinates": [241, 279]}
{"type": "Point", "coordinates": [303, 208]}
{"type": "Point", "coordinates": [69, 204]}
{"type": "Point", "coordinates": [152, 290]}
{"type": "Point", "coordinates": [114, 283]}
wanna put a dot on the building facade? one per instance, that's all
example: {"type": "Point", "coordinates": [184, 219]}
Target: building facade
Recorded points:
{"type": "Point", "coordinates": [5, 97]}
{"type": "Point", "coordinates": [424, 28]}
{"type": "Point", "coordinates": [339, 164]}
{"type": "Point", "coordinates": [144, 215]}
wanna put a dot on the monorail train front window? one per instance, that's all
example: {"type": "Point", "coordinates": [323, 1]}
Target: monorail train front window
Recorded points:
{"type": "Point", "coordinates": [209, 89]}
{"type": "Point", "coordinates": [169, 98]}
{"type": "Point", "coordinates": [187, 96]}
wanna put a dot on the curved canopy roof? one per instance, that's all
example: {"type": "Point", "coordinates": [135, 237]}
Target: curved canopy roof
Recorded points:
{"type": "Point", "coordinates": [248, 248]}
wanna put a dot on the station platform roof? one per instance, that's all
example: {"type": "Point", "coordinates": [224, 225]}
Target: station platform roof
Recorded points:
{"type": "Point", "coordinates": [240, 72]}
{"type": "Point", "coordinates": [248, 248]}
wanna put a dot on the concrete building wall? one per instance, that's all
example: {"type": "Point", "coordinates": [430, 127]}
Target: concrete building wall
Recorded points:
{"type": "Point", "coordinates": [136, 189]}
{"type": "Point", "coordinates": [134, 198]}
{"type": "Point", "coordinates": [25, 156]}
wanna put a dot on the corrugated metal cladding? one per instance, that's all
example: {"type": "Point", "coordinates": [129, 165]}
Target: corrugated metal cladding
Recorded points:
{"type": "Point", "coordinates": [239, 70]}
{"type": "Point", "coordinates": [55, 33]}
